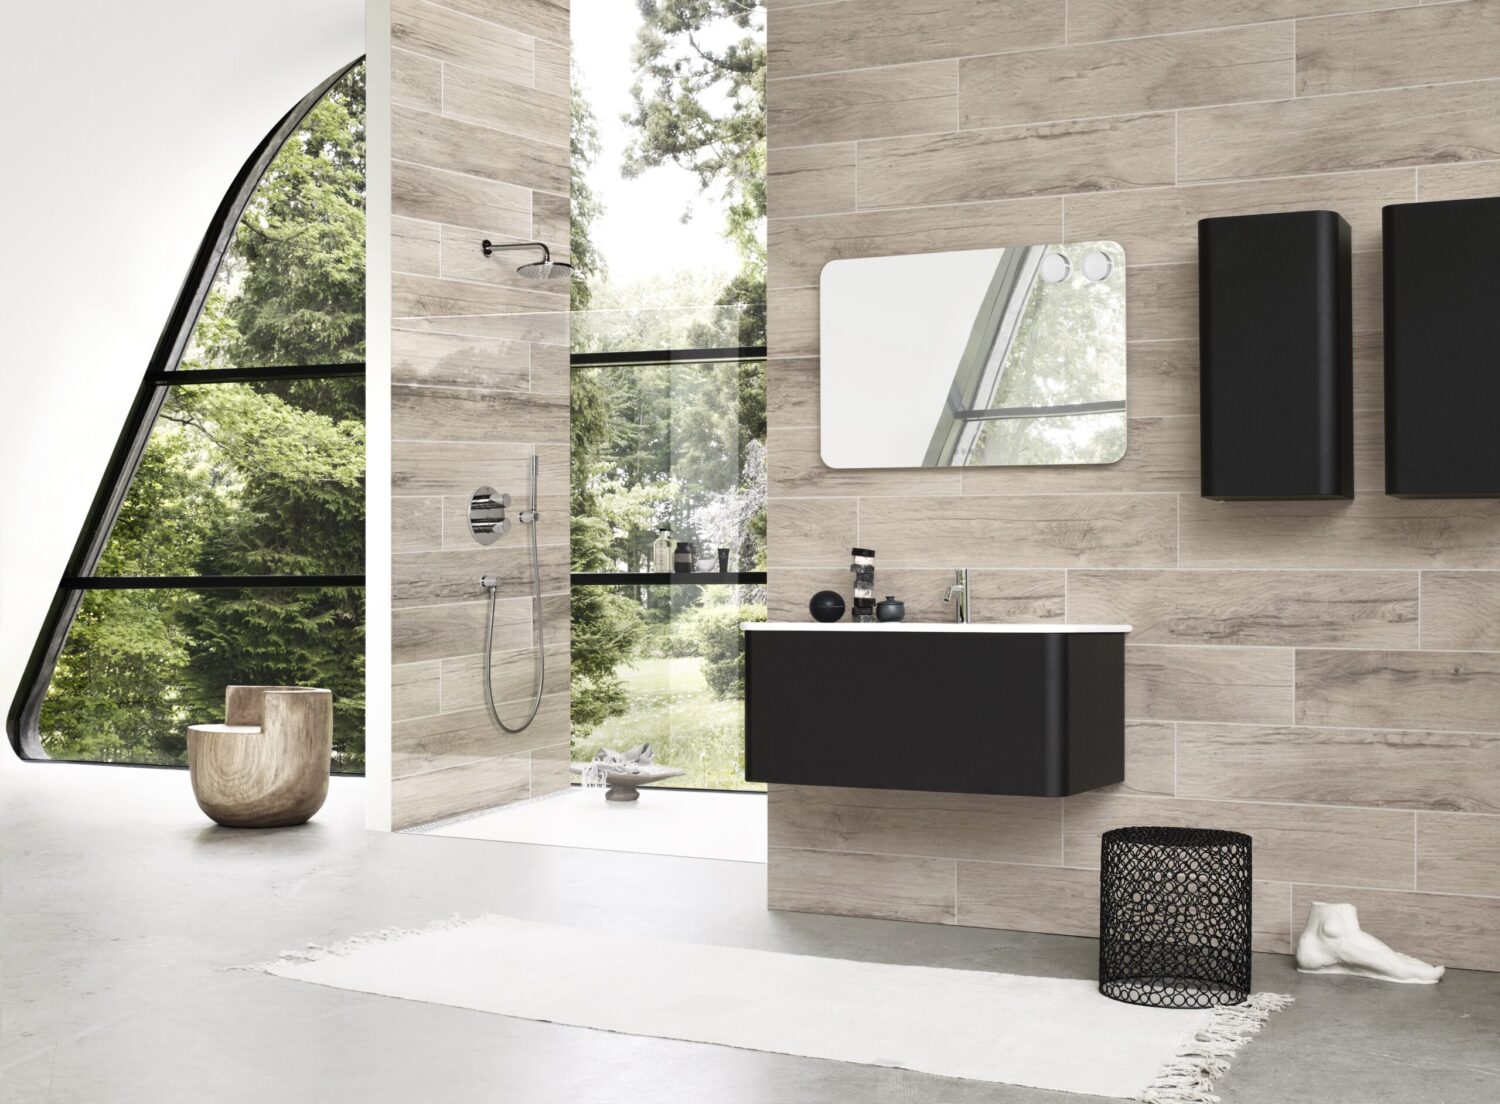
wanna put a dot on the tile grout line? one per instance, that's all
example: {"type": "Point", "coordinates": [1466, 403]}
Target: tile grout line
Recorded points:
{"type": "Point", "coordinates": [1415, 850]}
{"type": "Point", "coordinates": [1049, 867]}
{"type": "Point", "coordinates": [1176, 758]}
{"type": "Point", "coordinates": [954, 861]}
{"type": "Point", "coordinates": [507, 185]}
{"type": "Point", "coordinates": [1035, 198]}
{"type": "Point", "coordinates": [856, 199]}
{"type": "Point", "coordinates": [1178, 565]}
{"type": "Point", "coordinates": [958, 96]}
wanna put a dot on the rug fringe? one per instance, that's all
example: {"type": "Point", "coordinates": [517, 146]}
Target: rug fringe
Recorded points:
{"type": "Point", "coordinates": [1189, 1077]}
{"type": "Point", "coordinates": [314, 952]}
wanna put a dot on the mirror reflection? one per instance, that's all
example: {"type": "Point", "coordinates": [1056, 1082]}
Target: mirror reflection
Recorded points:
{"type": "Point", "coordinates": [986, 357]}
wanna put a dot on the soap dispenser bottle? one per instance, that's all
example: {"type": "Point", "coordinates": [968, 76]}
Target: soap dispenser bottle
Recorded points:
{"type": "Point", "coordinates": [661, 549]}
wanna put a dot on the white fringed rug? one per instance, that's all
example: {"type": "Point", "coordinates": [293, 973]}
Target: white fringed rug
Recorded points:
{"type": "Point", "coordinates": [1047, 1033]}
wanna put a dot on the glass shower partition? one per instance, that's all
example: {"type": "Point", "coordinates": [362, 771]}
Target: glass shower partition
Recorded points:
{"type": "Point", "coordinates": [677, 438]}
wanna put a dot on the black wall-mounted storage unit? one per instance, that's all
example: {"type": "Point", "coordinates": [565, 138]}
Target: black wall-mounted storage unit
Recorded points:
{"type": "Point", "coordinates": [1276, 377]}
{"type": "Point", "coordinates": [1442, 349]}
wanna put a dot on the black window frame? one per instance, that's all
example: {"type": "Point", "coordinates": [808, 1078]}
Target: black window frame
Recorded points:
{"type": "Point", "coordinates": [162, 373]}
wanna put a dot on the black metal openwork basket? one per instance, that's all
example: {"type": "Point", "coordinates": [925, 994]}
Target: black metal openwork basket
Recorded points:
{"type": "Point", "coordinates": [1174, 917]}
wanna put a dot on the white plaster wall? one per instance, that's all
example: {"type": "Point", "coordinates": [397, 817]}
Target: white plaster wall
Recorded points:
{"type": "Point", "coordinates": [123, 126]}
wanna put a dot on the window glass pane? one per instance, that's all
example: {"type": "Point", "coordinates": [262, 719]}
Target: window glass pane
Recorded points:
{"type": "Point", "coordinates": [680, 445]}
{"type": "Point", "coordinates": [633, 329]}
{"type": "Point", "coordinates": [243, 479]}
{"type": "Point", "coordinates": [139, 666]}
{"type": "Point", "coordinates": [682, 690]}
{"type": "Point", "coordinates": [669, 175]}
{"type": "Point", "coordinates": [291, 288]}
{"type": "Point", "coordinates": [248, 479]}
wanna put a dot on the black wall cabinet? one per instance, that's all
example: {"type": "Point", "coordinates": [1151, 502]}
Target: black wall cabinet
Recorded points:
{"type": "Point", "coordinates": [1276, 374]}
{"type": "Point", "coordinates": [1442, 349]}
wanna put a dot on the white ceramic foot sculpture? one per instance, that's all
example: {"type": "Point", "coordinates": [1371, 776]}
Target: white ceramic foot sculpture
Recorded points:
{"type": "Point", "coordinates": [1332, 943]}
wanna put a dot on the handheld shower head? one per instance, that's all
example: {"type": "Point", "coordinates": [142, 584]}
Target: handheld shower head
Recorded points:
{"type": "Point", "coordinates": [545, 269]}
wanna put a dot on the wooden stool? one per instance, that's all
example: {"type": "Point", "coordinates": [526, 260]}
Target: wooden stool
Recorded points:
{"type": "Point", "coordinates": [266, 766]}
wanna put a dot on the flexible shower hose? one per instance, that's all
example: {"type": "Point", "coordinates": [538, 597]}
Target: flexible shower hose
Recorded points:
{"type": "Point", "coordinates": [539, 666]}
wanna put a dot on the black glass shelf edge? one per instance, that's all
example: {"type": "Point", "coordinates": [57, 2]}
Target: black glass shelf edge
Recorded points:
{"type": "Point", "coordinates": [666, 578]}
{"type": "Point", "coordinates": [208, 582]}
{"type": "Point", "coordinates": [644, 357]}
{"type": "Point", "coordinates": [191, 376]}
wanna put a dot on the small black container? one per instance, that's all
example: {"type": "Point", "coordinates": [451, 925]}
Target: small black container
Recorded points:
{"type": "Point", "coordinates": [890, 610]}
{"type": "Point", "coordinates": [826, 606]}
{"type": "Point", "coordinates": [723, 560]}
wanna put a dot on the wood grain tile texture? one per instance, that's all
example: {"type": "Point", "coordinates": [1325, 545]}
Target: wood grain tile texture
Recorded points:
{"type": "Point", "coordinates": [1323, 675]}
{"type": "Point", "coordinates": [479, 382]}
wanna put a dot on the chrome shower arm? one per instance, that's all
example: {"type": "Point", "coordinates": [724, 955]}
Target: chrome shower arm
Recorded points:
{"type": "Point", "coordinates": [488, 248]}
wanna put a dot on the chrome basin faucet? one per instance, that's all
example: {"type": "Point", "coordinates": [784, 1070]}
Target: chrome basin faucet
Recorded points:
{"type": "Point", "coordinates": [959, 590]}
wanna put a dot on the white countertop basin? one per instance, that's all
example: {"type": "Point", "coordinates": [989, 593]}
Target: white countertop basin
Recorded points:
{"type": "Point", "coordinates": [923, 626]}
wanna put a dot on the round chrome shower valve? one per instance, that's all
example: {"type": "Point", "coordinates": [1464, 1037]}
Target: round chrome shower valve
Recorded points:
{"type": "Point", "coordinates": [487, 519]}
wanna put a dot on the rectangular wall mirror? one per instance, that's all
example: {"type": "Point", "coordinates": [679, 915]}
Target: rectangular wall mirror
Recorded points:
{"type": "Point", "coordinates": [982, 357]}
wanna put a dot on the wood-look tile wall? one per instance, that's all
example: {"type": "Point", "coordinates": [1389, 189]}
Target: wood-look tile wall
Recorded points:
{"type": "Point", "coordinates": [1323, 675]}
{"type": "Point", "coordinates": [479, 381]}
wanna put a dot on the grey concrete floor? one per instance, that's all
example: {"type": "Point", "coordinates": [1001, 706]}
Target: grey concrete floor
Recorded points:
{"type": "Point", "coordinates": [123, 909]}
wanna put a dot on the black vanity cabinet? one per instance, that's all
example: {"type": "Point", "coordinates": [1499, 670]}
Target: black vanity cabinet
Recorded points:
{"type": "Point", "coordinates": [1442, 349]}
{"type": "Point", "coordinates": [980, 709]}
{"type": "Point", "coordinates": [1276, 356]}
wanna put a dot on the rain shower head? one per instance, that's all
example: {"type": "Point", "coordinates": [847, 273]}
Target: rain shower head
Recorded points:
{"type": "Point", "coordinates": [544, 269]}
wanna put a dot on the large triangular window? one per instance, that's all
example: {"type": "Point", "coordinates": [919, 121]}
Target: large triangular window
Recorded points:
{"type": "Point", "coordinates": [226, 542]}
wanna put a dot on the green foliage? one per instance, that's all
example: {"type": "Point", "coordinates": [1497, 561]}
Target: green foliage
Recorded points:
{"type": "Point", "coordinates": [585, 207]}
{"type": "Point", "coordinates": [118, 689]}
{"type": "Point", "coordinates": [295, 285]}
{"type": "Point", "coordinates": [244, 479]}
{"type": "Point", "coordinates": [746, 292]}
{"type": "Point", "coordinates": [722, 644]}
{"type": "Point", "coordinates": [607, 633]}
{"type": "Point", "coordinates": [671, 708]}
{"type": "Point", "coordinates": [704, 109]}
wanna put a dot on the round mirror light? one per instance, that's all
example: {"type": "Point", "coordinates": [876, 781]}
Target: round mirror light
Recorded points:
{"type": "Point", "coordinates": [1097, 265]}
{"type": "Point", "coordinates": [1055, 268]}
